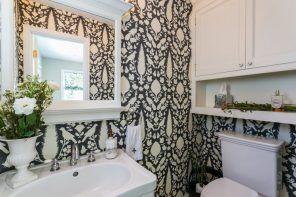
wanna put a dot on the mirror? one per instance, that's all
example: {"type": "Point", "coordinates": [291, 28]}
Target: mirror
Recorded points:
{"type": "Point", "coordinates": [64, 67]}
{"type": "Point", "coordinates": [82, 54]}
{"type": "Point", "coordinates": [63, 60]}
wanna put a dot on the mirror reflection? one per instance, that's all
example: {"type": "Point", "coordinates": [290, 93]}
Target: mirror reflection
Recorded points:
{"type": "Point", "coordinates": [62, 62]}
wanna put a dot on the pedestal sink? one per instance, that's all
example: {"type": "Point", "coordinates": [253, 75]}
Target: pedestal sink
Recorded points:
{"type": "Point", "coordinates": [118, 177]}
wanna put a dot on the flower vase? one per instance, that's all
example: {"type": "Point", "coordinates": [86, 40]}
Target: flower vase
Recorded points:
{"type": "Point", "coordinates": [21, 153]}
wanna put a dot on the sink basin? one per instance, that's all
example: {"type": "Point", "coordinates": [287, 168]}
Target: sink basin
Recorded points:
{"type": "Point", "coordinates": [118, 177]}
{"type": "Point", "coordinates": [97, 179]}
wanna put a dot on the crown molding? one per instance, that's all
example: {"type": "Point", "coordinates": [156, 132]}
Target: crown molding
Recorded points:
{"type": "Point", "coordinates": [109, 9]}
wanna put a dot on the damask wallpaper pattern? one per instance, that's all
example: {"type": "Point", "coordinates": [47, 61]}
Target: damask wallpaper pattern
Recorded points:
{"type": "Point", "coordinates": [155, 80]}
{"type": "Point", "coordinates": [207, 148]}
{"type": "Point", "coordinates": [155, 75]}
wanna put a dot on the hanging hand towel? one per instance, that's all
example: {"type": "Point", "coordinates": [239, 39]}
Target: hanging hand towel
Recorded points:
{"type": "Point", "coordinates": [133, 142]}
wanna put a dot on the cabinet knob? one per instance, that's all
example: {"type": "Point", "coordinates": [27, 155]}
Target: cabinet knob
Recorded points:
{"type": "Point", "coordinates": [250, 63]}
{"type": "Point", "coordinates": [241, 65]}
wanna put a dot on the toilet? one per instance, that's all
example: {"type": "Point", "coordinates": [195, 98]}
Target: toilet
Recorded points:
{"type": "Point", "coordinates": [251, 167]}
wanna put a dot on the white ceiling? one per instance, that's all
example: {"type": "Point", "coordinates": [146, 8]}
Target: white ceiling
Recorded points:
{"type": "Point", "coordinates": [59, 49]}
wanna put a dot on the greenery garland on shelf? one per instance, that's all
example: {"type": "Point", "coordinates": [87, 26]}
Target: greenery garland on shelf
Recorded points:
{"type": "Point", "coordinates": [244, 107]}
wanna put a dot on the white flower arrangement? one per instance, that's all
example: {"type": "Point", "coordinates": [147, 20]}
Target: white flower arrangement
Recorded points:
{"type": "Point", "coordinates": [21, 113]}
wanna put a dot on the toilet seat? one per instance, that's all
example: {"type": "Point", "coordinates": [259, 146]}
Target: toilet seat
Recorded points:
{"type": "Point", "coordinates": [225, 187]}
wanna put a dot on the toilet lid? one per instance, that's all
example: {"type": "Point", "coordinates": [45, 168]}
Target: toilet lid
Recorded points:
{"type": "Point", "coordinates": [225, 187]}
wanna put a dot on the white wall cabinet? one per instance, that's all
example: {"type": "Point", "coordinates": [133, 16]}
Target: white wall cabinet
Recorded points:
{"type": "Point", "coordinates": [270, 32]}
{"type": "Point", "coordinates": [244, 37]}
{"type": "Point", "coordinates": [247, 44]}
{"type": "Point", "coordinates": [220, 37]}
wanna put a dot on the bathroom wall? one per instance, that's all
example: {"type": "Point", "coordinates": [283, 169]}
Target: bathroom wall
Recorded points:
{"type": "Point", "coordinates": [205, 141]}
{"type": "Point", "coordinates": [155, 71]}
{"type": "Point", "coordinates": [155, 79]}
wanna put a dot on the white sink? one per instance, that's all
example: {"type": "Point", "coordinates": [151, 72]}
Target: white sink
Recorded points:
{"type": "Point", "coordinates": [118, 177]}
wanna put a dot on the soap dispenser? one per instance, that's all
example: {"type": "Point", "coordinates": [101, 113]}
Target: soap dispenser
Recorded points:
{"type": "Point", "coordinates": [111, 146]}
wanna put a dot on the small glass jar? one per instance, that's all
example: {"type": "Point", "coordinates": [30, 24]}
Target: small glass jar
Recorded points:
{"type": "Point", "coordinates": [111, 148]}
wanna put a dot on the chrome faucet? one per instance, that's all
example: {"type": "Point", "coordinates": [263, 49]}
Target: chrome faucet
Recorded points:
{"type": "Point", "coordinates": [74, 155]}
{"type": "Point", "coordinates": [55, 166]}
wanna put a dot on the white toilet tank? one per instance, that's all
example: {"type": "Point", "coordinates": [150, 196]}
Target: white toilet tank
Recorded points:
{"type": "Point", "coordinates": [252, 161]}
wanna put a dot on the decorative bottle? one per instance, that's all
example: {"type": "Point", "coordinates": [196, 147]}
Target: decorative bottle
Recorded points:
{"type": "Point", "coordinates": [277, 102]}
{"type": "Point", "coordinates": [111, 146]}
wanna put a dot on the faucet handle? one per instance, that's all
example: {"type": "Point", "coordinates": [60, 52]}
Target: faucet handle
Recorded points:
{"type": "Point", "coordinates": [91, 157]}
{"type": "Point", "coordinates": [76, 149]}
{"type": "Point", "coordinates": [74, 155]}
{"type": "Point", "coordinates": [55, 166]}
{"type": "Point", "coordinates": [73, 161]}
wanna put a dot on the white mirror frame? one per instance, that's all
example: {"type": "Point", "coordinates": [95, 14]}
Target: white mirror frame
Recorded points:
{"type": "Point", "coordinates": [73, 111]}
{"type": "Point", "coordinates": [30, 32]}
{"type": "Point", "coordinates": [7, 45]}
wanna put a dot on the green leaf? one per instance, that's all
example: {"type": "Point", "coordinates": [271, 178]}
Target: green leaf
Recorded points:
{"type": "Point", "coordinates": [2, 124]}
{"type": "Point", "coordinates": [28, 134]}
{"type": "Point", "coordinates": [31, 119]}
{"type": "Point", "coordinates": [22, 123]}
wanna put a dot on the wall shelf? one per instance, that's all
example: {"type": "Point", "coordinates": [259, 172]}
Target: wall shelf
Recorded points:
{"type": "Point", "coordinates": [52, 116]}
{"type": "Point", "coordinates": [253, 89]}
{"type": "Point", "coordinates": [280, 117]}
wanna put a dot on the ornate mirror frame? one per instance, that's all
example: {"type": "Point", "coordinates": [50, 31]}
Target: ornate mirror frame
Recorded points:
{"type": "Point", "coordinates": [88, 110]}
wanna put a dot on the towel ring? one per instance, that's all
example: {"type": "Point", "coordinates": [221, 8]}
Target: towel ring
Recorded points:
{"type": "Point", "coordinates": [132, 111]}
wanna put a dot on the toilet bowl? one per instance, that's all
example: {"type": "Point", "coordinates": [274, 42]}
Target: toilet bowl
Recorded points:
{"type": "Point", "coordinates": [251, 167]}
{"type": "Point", "coordinates": [225, 187]}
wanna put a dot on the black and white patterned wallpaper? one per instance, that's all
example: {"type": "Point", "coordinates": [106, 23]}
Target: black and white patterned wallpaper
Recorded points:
{"type": "Point", "coordinates": [155, 79]}
{"type": "Point", "coordinates": [207, 148]}
{"type": "Point", "coordinates": [155, 76]}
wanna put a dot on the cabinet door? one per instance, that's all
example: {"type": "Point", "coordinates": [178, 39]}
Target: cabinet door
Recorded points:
{"type": "Point", "coordinates": [271, 32]}
{"type": "Point", "coordinates": [220, 37]}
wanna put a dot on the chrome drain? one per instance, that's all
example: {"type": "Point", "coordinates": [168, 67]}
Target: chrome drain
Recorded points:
{"type": "Point", "coordinates": [75, 174]}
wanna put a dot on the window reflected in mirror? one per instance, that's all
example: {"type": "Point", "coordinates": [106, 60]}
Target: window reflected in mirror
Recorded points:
{"type": "Point", "coordinates": [61, 62]}
{"type": "Point", "coordinates": [72, 85]}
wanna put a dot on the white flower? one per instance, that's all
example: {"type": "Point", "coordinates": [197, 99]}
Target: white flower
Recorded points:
{"type": "Point", "coordinates": [53, 85]}
{"type": "Point", "coordinates": [24, 105]}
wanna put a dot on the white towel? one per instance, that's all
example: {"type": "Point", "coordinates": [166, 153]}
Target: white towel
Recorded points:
{"type": "Point", "coordinates": [133, 142]}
